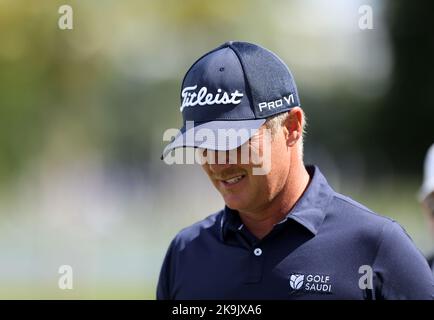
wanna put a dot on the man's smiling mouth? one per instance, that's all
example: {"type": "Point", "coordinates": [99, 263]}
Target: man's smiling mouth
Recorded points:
{"type": "Point", "coordinates": [233, 180]}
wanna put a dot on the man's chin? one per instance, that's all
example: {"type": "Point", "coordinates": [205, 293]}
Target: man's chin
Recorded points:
{"type": "Point", "coordinates": [237, 205]}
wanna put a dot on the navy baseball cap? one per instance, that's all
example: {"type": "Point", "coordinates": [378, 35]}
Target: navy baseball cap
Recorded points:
{"type": "Point", "coordinates": [235, 86]}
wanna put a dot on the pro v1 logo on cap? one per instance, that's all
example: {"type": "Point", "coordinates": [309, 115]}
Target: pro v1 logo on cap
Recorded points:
{"type": "Point", "coordinates": [279, 103]}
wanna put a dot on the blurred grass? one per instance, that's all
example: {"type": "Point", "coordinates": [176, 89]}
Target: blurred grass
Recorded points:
{"type": "Point", "coordinates": [100, 291]}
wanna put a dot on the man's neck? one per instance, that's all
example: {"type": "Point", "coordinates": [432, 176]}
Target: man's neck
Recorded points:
{"type": "Point", "coordinates": [261, 222]}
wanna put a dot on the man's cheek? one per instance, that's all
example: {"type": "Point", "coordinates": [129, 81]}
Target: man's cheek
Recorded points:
{"type": "Point", "coordinates": [261, 154]}
{"type": "Point", "coordinates": [252, 184]}
{"type": "Point", "coordinates": [216, 184]}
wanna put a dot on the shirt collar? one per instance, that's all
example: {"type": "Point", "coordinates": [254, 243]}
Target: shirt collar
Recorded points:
{"type": "Point", "coordinates": [309, 211]}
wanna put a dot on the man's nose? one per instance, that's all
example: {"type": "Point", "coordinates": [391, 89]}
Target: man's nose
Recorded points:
{"type": "Point", "coordinates": [217, 168]}
{"type": "Point", "coordinates": [220, 160]}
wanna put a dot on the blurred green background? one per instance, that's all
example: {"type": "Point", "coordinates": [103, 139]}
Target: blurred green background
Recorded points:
{"type": "Point", "coordinates": [83, 111]}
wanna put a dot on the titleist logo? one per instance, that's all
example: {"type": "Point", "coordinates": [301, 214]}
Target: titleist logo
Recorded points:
{"type": "Point", "coordinates": [190, 98]}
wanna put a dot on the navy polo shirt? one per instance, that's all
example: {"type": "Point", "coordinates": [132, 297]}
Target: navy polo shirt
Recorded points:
{"type": "Point", "coordinates": [327, 247]}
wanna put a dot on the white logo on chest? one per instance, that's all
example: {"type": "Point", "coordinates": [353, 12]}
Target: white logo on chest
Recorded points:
{"type": "Point", "coordinates": [296, 281]}
{"type": "Point", "coordinates": [311, 282]}
{"type": "Point", "coordinates": [190, 98]}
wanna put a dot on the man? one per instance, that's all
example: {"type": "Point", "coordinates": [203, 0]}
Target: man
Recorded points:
{"type": "Point", "coordinates": [427, 195]}
{"type": "Point", "coordinates": [284, 233]}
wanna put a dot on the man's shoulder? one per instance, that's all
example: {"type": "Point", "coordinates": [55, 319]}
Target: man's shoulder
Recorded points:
{"type": "Point", "coordinates": [430, 260]}
{"type": "Point", "coordinates": [365, 226]}
{"type": "Point", "coordinates": [356, 210]}
{"type": "Point", "coordinates": [208, 226]}
{"type": "Point", "coordinates": [359, 218]}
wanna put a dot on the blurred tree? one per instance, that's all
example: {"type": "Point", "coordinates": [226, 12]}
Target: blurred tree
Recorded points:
{"type": "Point", "coordinates": [404, 125]}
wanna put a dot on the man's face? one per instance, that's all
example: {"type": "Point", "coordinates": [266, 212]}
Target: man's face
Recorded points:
{"type": "Point", "coordinates": [240, 187]}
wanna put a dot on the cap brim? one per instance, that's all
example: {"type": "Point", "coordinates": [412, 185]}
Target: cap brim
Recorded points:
{"type": "Point", "coordinates": [215, 135]}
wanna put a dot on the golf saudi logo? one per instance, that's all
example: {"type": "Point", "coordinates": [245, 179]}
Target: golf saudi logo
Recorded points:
{"type": "Point", "coordinates": [310, 282]}
{"type": "Point", "coordinates": [296, 281]}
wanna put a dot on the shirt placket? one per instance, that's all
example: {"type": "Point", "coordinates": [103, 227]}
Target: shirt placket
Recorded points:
{"type": "Point", "coordinates": [255, 257]}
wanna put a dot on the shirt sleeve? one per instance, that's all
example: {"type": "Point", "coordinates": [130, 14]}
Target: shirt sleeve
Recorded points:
{"type": "Point", "coordinates": [402, 271]}
{"type": "Point", "coordinates": [166, 275]}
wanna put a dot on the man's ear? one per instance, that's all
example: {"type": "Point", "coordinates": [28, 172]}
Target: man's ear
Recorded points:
{"type": "Point", "coordinates": [293, 126]}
